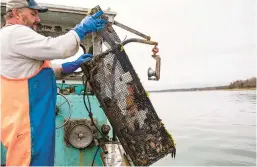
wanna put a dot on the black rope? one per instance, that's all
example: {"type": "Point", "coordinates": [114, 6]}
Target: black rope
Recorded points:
{"type": "Point", "coordinates": [88, 108]}
{"type": "Point", "coordinates": [95, 156]}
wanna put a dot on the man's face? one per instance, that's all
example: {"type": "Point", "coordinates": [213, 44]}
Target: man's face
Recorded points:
{"type": "Point", "coordinates": [28, 17]}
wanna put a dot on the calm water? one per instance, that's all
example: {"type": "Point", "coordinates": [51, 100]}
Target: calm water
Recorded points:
{"type": "Point", "coordinates": [210, 128]}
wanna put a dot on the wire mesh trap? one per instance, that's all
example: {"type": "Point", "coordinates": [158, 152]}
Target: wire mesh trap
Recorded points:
{"type": "Point", "coordinates": [126, 104]}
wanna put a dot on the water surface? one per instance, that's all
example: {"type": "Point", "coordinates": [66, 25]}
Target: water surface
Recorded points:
{"type": "Point", "coordinates": [210, 128]}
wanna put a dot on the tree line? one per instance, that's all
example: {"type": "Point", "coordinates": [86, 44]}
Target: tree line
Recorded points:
{"type": "Point", "coordinates": [238, 84]}
{"type": "Point", "coordinates": [248, 83]}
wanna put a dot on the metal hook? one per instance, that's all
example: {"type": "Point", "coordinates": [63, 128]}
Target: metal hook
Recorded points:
{"type": "Point", "coordinates": [155, 50]}
{"type": "Point", "coordinates": [155, 75]}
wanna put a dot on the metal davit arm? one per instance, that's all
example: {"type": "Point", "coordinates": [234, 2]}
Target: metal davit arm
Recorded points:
{"type": "Point", "coordinates": [131, 30]}
{"type": "Point", "coordinates": [124, 43]}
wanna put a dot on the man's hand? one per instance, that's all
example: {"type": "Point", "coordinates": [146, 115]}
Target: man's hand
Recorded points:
{"type": "Point", "coordinates": [70, 67]}
{"type": "Point", "coordinates": [90, 24]}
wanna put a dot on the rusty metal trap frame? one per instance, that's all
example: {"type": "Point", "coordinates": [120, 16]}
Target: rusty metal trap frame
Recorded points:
{"type": "Point", "coordinates": [125, 102]}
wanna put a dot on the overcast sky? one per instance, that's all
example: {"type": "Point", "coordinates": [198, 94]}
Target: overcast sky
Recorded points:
{"type": "Point", "coordinates": [201, 42]}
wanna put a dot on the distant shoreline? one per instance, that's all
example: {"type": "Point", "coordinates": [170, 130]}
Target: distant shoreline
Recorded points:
{"type": "Point", "coordinates": [248, 84]}
{"type": "Point", "coordinates": [201, 89]}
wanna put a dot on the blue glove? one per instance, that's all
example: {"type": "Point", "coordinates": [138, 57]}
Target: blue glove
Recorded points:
{"type": "Point", "coordinates": [70, 67]}
{"type": "Point", "coordinates": [90, 24]}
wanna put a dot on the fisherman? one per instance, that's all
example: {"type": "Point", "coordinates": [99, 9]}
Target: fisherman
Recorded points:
{"type": "Point", "coordinates": [28, 85]}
